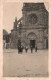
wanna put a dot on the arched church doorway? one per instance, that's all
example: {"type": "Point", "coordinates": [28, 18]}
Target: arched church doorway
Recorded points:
{"type": "Point", "coordinates": [32, 43]}
{"type": "Point", "coordinates": [32, 39]}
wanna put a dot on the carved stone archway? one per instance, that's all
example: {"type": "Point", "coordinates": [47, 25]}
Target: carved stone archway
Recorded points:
{"type": "Point", "coordinates": [31, 36]}
{"type": "Point", "coordinates": [32, 39]}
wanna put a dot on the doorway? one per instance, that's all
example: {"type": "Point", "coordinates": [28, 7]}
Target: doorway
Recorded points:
{"type": "Point", "coordinates": [32, 43]}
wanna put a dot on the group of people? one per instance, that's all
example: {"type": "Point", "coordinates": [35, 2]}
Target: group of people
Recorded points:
{"type": "Point", "coordinates": [20, 49]}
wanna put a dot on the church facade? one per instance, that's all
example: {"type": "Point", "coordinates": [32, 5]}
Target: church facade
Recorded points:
{"type": "Point", "coordinates": [32, 28]}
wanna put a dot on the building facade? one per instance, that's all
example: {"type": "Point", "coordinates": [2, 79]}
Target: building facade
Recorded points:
{"type": "Point", "coordinates": [32, 28]}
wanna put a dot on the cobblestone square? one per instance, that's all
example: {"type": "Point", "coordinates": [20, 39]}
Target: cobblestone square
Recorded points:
{"type": "Point", "coordinates": [25, 64]}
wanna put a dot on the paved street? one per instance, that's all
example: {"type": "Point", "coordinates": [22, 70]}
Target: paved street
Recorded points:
{"type": "Point", "coordinates": [25, 64]}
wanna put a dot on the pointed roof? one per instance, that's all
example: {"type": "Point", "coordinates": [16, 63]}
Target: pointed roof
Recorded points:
{"type": "Point", "coordinates": [5, 32]}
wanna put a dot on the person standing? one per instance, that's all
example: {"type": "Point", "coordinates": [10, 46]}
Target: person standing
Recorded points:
{"type": "Point", "coordinates": [21, 49]}
{"type": "Point", "coordinates": [31, 49]}
{"type": "Point", "coordinates": [36, 49]}
{"type": "Point", "coordinates": [26, 49]}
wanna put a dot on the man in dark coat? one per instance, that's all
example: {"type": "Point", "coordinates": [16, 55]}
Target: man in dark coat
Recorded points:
{"type": "Point", "coordinates": [36, 49]}
{"type": "Point", "coordinates": [26, 49]}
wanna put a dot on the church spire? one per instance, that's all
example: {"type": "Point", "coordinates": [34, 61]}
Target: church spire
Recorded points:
{"type": "Point", "coordinates": [15, 24]}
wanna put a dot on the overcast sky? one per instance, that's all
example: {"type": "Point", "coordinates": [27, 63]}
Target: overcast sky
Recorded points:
{"type": "Point", "coordinates": [10, 11]}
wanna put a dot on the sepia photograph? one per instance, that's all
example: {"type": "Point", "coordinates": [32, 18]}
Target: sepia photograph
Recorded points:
{"type": "Point", "coordinates": [25, 39]}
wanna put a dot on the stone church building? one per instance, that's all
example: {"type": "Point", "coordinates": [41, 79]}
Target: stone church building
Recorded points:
{"type": "Point", "coordinates": [32, 28]}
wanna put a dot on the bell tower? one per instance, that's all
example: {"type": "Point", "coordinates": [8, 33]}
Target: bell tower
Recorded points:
{"type": "Point", "coordinates": [35, 20]}
{"type": "Point", "coordinates": [34, 14]}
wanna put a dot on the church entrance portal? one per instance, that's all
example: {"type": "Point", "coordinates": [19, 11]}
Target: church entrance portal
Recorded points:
{"type": "Point", "coordinates": [32, 38]}
{"type": "Point", "coordinates": [32, 43]}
